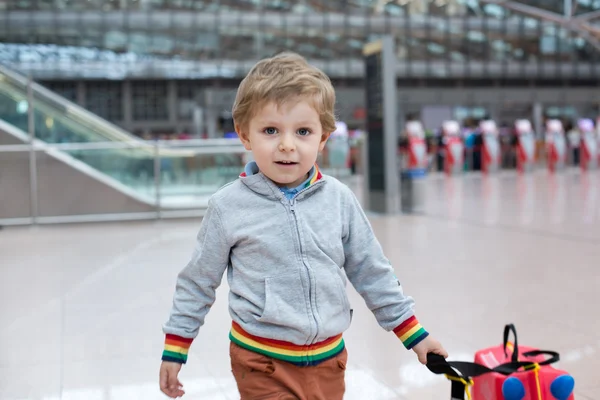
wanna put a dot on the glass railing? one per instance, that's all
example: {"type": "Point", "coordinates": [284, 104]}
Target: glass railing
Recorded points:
{"type": "Point", "coordinates": [86, 181]}
{"type": "Point", "coordinates": [179, 175]}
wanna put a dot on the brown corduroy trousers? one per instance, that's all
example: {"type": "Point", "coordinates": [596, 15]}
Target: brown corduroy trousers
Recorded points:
{"type": "Point", "coordinates": [259, 377]}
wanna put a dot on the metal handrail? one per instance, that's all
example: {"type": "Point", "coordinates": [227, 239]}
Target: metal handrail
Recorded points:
{"type": "Point", "coordinates": [192, 147]}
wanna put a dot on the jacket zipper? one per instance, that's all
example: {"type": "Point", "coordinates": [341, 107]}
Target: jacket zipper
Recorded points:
{"type": "Point", "coordinates": [293, 210]}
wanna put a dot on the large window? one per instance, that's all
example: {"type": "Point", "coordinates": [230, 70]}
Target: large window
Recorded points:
{"type": "Point", "coordinates": [68, 90]}
{"type": "Point", "coordinates": [105, 99]}
{"type": "Point", "coordinates": [149, 99]}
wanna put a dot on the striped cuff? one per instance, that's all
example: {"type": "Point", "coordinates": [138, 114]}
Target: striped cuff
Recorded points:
{"type": "Point", "coordinates": [410, 332]}
{"type": "Point", "coordinates": [176, 349]}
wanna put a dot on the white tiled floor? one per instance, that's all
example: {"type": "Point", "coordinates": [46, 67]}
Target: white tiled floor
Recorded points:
{"type": "Point", "coordinates": [81, 306]}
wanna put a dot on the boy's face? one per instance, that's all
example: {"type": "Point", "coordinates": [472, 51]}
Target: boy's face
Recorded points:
{"type": "Point", "coordinates": [285, 141]}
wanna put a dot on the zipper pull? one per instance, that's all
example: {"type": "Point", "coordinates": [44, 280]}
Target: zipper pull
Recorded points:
{"type": "Point", "coordinates": [293, 205]}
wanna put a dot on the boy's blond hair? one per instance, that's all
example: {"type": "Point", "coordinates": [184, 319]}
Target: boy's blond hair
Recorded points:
{"type": "Point", "coordinates": [286, 77]}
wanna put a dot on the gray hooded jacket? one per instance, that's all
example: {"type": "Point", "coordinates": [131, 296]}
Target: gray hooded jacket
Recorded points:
{"type": "Point", "coordinates": [287, 263]}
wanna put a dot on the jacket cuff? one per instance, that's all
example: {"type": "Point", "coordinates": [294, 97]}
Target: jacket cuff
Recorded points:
{"type": "Point", "coordinates": [410, 332]}
{"type": "Point", "coordinates": [176, 349]}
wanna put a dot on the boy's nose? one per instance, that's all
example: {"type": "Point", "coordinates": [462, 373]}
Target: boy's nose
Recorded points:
{"type": "Point", "coordinates": [287, 143]}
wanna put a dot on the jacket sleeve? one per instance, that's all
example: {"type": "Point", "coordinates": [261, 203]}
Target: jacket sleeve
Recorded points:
{"type": "Point", "coordinates": [372, 275]}
{"type": "Point", "coordinates": [196, 286]}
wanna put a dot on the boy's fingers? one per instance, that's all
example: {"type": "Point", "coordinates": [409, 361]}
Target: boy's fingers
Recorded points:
{"type": "Point", "coordinates": [169, 384]}
{"type": "Point", "coordinates": [442, 352]}
{"type": "Point", "coordinates": [177, 391]}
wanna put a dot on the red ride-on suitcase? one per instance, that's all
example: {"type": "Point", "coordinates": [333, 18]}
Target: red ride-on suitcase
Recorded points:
{"type": "Point", "coordinates": [506, 372]}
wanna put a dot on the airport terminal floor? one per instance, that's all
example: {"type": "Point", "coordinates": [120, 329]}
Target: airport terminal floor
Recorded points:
{"type": "Point", "coordinates": [81, 305]}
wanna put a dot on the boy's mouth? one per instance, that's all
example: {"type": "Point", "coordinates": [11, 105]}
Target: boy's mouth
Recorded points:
{"type": "Point", "coordinates": [286, 162]}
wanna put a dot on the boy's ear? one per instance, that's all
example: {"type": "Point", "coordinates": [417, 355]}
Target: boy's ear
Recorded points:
{"type": "Point", "coordinates": [243, 137]}
{"type": "Point", "coordinates": [324, 138]}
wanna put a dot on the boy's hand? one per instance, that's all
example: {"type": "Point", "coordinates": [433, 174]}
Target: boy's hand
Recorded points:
{"type": "Point", "coordinates": [429, 345]}
{"type": "Point", "coordinates": [169, 383]}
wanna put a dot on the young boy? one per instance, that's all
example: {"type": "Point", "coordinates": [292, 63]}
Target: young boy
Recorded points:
{"type": "Point", "coordinates": [288, 237]}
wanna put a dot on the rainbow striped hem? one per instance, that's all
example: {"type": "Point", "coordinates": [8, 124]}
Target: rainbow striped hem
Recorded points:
{"type": "Point", "coordinates": [410, 332]}
{"type": "Point", "coordinates": [176, 349]}
{"type": "Point", "coordinates": [303, 356]}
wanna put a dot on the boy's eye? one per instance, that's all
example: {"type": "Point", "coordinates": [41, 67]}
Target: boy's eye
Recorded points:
{"type": "Point", "coordinates": [303, 131]}
{"type": "Point", "coordinates": [270, 131]}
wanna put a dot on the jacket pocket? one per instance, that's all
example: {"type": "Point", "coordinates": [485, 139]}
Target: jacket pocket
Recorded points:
{"type": "Point", "coordinates": [285, 303]}
{"type": "Point", "coordinates": [333, 304]}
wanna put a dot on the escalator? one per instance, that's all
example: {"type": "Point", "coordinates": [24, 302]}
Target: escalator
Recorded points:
{"type": "Point", "coordinates": [85, 165]}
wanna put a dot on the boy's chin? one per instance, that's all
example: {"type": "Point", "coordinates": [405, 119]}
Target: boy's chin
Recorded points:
{"type": "Point", "coordinates": [289, 183]}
